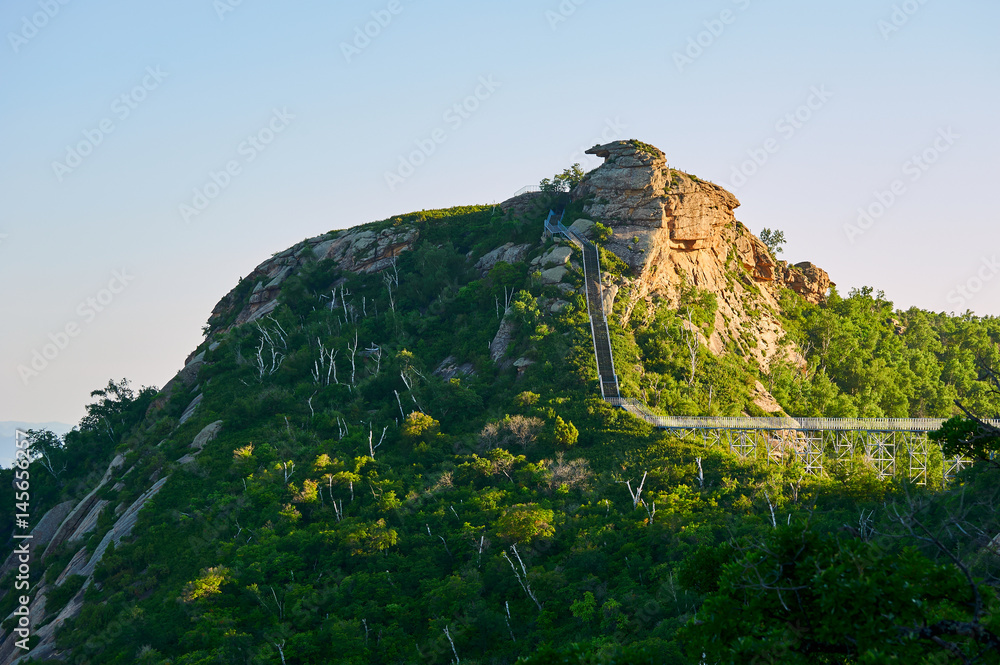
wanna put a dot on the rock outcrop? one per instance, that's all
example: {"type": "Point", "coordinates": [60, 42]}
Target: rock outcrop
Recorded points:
{"type": "Point", "coordinates": [362, 249]}
{"type": "Point", "coordinates": [508, 253]}
{"type": "Point", "coordinates": [674, 229]}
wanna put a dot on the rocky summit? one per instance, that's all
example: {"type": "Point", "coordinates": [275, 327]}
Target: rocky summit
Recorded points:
{"type": "Point", "coordinates": [675, 229]}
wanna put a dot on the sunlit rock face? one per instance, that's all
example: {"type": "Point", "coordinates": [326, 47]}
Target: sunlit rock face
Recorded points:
{"type": "Point", "coordinates": [673, 229]}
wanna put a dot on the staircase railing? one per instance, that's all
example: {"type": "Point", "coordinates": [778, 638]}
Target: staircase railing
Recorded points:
{"type": "Point", "coordinates": [593, 280]}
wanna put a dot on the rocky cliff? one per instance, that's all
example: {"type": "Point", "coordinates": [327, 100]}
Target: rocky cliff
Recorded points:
{"type": "Point", "coordinates": [673, 229]}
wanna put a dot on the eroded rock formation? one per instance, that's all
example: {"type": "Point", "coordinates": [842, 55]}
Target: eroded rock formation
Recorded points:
{"type": "Point", "coordinates": [674, 229]}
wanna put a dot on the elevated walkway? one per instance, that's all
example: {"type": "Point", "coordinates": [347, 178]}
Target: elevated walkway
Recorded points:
{"type": "Point", "coordinates": [891, 446]}
{"type": "Point", "coordinates": [595, 305]}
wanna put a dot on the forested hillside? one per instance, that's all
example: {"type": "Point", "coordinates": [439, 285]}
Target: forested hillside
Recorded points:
{"type": "Point", "coordinates": [391, 448]}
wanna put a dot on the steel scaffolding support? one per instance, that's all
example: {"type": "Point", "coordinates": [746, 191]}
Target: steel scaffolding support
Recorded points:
{"type": "Point", "coordinates": [817, 442]}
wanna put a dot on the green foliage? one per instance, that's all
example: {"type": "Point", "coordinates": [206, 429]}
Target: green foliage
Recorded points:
{"type": "Point", "coordinates": [805, 596]}
{"type": "Point", "coordinates": [602, 233]}
{"type": "Point", "coordinates": [774, 240]}
{"type": "Point", "coordinates": [566, 433]}
{"type": "Point", "coordinates": [563, 182]}
{"type": "Point", "coordinates": [963, 437]}
{"type": "Point", "coordinates": [418, 425]}
{"type": "Point", "coordinates": [57, 598]}
{"type": "Point", "coordinates": [288, 530]}
{"type": "Point", "coordinates": [522, 523]}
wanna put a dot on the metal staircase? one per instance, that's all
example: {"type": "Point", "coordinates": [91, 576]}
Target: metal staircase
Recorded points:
{"type": "Point", "coordinates": [599, 332]}
{"type": "Point", "coordinates": [816, 440]}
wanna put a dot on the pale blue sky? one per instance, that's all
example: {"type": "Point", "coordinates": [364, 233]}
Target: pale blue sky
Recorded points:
{"type": "Point", "coordinates": [608, 71]}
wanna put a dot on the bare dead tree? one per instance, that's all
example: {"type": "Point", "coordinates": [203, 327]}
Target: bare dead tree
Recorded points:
{"type": "Point", "coordinates": [572, 474]}
{"type": "Point", "coordinates": [509, 629]}
{"type": "Point", "coordinates": [637, 493]}
{"type": "Point", "coordinates": [325, 368]}
{"type": "Point", "coordinates": [689, 336]}
{"type": "Point", "coordinates": [522, 577]}
{"type": "Point", "coordinates": [452, 642]}
{"type": "Point", "coordinates": [439, 537]}
{"type": "Point", "coordinates": [774, 521]}
{"type": "Point", "coordinates": [409, 386]}
{"type": "Point", "coordinates": [281, 650]}
{"type": "Point", "coordinates": [524, 429]}
{"type": "Point", "coordinates": [375, 352]}
{"type": "Point", "coordinates": [372, 448]}
{"type": "Point", "coordinates": [391, 282]}
{"type": "Point", "coordinates": [269, 351]}
{"type": "Point", "coordinates": [354, 353]}
{"type": "Point", "coordinates": [400, 404]}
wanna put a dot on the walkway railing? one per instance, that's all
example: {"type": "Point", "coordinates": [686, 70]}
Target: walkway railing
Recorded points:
{"type": "Point", "coordinates": [890, 446]}
{"type": "Point", "coordinates": [782, 423]}
{"type": "Point", "coordinates": [607, 377]}
{"type": "Point", "coordinates": [527, 190]}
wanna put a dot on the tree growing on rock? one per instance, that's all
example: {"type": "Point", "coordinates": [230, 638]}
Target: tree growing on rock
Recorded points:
{"type": "Point", "coordinates": [565, 181]}
{"type": "Point", "coordinates": [774, 239]}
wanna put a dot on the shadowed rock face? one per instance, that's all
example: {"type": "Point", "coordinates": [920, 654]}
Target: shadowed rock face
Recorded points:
{"type": "Point", "coordinates": [672, 228]}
